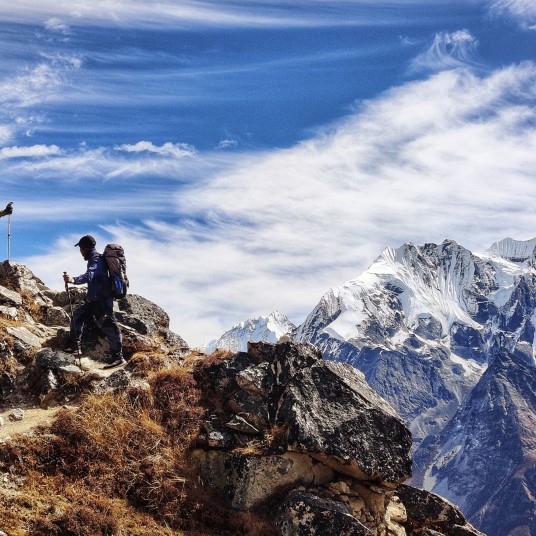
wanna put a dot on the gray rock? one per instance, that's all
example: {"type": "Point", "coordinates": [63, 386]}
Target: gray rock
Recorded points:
{"type": "Point", "coordinates": [333, 414]}
{"type": "Point", "coordinates": [142, 315]}
{"type": "Point", "coordinates": [51, 370]}
{"type": "Point", "coordinates": [425, 509]}
{"type": "Point", "coordinates": [23, 342]}
{"type": "Point", "coordinates": [9, 312]}
{"type": "Point", "coordinates": [55, 316]}
{"type": "Point", "coordinates": [306, 514]}
{"type": "Point", "coordinates": [252, 407]}
{"type": "Point", "coordinates": [16, 414]}
{"type": "Point", "coordinates": [248, 480]}
{"type": "Point", "coordinates": [10, 297]}
{"type": "Point", "coordinates": [117, 381]}
{"type": "Point", "coordinates": [19, 278]}
{"type": "Point", "coordinates": [241, 425]}
{"type": "Point", "coordinates": [217, 436]}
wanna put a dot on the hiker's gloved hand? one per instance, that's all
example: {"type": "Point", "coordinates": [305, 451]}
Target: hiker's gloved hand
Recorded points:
{"type": "Point", "coordinates": [67, 278]}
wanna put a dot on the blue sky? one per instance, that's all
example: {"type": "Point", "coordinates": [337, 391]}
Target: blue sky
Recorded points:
{"type": "Point", "coordinates": [250, 155]}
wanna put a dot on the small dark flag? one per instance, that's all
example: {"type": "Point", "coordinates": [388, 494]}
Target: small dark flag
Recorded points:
{"type": "Point", "coordinates": [8, 210]}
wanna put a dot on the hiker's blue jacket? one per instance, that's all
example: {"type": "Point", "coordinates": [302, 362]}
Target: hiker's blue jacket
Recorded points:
{"type": "Point", "coordinates": [97, 279]}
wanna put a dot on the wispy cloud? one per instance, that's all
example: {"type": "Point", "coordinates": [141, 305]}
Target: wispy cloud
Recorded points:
{"type": "Point", "coordinates": [523, 11]}
{"type": "Point", "coordinates": [448, 51]}
{"type": "Point", "coordinates": [168, 161]}
{"type": "Point", "coordinates": [23, 91]}
{"type": "Point", "coordinates": [176, 150]}
{"type": "Point", "coordinates": [447, 157]}
{"type": "Point", "coordinates": [223, 13]}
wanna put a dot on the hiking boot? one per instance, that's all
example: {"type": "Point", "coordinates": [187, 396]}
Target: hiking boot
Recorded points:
{"type": "Point", "coordinates": [72, 348]}
{"type": "Point", "coordinates": [115, 362]}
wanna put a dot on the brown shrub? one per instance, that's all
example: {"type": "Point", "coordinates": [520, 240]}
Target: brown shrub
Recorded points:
{"type": "Point", "coordinates": [119, 465]}
{"type": "Point", "coordinates": [177, 404]}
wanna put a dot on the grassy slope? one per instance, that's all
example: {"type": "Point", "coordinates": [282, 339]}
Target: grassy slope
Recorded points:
{"type": "Point", "coordinates": [118, 465]}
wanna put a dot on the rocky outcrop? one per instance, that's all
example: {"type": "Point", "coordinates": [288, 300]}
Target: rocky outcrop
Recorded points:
{"type": "Point", "coordinates": [310, 438]}
{"type": "Point", "coordinates": [34, 325]}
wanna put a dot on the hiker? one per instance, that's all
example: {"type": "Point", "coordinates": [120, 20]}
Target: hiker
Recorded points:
{"type": "Point", "coordinates": [98, 304]}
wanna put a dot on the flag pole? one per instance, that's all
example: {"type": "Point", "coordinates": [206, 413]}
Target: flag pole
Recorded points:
{"type": "Point", "coordinates": [8, 236]}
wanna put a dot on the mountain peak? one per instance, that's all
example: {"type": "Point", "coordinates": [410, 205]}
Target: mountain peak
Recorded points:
{"type": "Point", "coordinates": [268, 328]}
{"type": "Point", "coordinates": [514, 250]}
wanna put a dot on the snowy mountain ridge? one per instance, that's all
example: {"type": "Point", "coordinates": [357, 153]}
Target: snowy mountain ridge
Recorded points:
{"type": "Point", "coordinates": [268, 328]}
{"type": "Point", "coordinates": [424, 290]}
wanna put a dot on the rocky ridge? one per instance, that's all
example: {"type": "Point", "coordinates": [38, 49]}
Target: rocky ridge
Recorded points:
{"type": "Point", "coordinates": [281, 429]}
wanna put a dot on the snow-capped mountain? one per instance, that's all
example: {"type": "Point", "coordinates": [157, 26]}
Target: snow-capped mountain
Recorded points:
{"type": "Point", "coordinates": [429, 326]}
{"type": "Point", "coordinates": [263, 328]}
{"type": "Point", "coordinates": [447, 337]}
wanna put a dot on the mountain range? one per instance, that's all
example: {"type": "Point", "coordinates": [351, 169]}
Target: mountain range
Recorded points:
{"type": "Point", "coordinates": [446, 336]}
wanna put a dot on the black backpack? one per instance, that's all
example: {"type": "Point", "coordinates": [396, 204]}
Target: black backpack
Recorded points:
{"type": "Point", "coordinates": [114, 255]}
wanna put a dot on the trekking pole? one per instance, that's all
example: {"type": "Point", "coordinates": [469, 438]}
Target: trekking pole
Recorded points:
{"type": "Point", "coordinates": [68, 295]}
{"type": "Point", "coordinates": [78, 349]}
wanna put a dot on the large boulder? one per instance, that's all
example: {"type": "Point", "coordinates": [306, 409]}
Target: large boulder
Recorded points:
{"type": "Point", "coordinates": [248, 480]}
{"type": "Point", "coordinates": [149, 320]}
{"type": "Point", "coordinates": [323, 408]}
{"type": "Point", "coordinates": [52, 371]}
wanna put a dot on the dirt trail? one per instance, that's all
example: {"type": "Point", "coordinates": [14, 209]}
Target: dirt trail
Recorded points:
{"type": "Point", "coordinates": [37, 416]}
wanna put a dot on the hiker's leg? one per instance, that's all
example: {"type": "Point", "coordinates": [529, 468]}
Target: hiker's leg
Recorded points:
{"type": "Point", "coordinates": [78, 319]}
{"type": "Point", "coordinates": [108, 324]}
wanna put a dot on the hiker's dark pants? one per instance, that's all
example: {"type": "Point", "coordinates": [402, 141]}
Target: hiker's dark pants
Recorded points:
{"type": "Point", "coordinates": [103, 314]}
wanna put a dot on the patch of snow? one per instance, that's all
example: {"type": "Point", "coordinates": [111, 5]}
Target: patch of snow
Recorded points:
{"type": "Point", "coordinates": [470, 367]}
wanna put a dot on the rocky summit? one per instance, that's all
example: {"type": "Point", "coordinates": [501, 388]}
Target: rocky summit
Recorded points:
{"type": "Point", "coordinates": [271, 440]}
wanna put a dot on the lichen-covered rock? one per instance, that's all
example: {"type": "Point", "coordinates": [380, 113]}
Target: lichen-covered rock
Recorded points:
{"type": "Point", "coordinates": [119, 380]}
{"type": "Point", "coordinates": [327, 408]}
{"type": "Point", "coordinates": [21, 279]}
{"type": "Point", "coordinates": [430, 511]}
{"type": "Point", "coordinates": [306, 514]}
{"type": "Point", "coordinates": [10, 297]}
{"type": "Point", "coordinates": [52, 369]}
{"type": "Point", "coordinates": [248, 480]}
{"type": "Point", "coordinates": [55, 316]}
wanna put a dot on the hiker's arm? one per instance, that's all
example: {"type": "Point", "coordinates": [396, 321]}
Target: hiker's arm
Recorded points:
{"type": "Point", "coordinates": [90, 273]}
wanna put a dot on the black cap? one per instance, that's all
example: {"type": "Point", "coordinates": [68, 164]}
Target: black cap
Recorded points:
{"type": "Point", "coordinates": [86, 241]}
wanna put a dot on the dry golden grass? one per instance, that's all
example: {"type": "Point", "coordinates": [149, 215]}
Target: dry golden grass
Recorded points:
{"type": "Point", "coordinates": [119, 465]}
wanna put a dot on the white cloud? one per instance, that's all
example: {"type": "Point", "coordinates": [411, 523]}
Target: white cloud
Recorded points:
{"type": "Point", "coordinates": [176, 150]}
{"type": "Point", "coordinates": [170, 160]}
{"type": "Point", "coordinates": [227, 144]}
{"type": "Point", "coordinates": [524, 11]}
{"type": "Point", "coordinates": [448, 51]}
{"type": "Point", "coordinates": [29, 87]}
{"type": "Point", "coordinates": [5, 133]}
{"type": "Point", "coordinates": [187, 13]}
{"type": "Point", "coordinates": [56, 25]}
{"type": "Point", "coordinates": [449, 157]}
{"type": "Point", "coordinates": [29, 152]}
